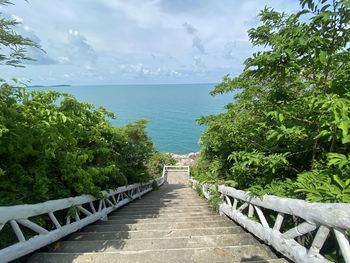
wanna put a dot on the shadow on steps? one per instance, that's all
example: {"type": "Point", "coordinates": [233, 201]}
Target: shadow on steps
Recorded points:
{"type": "Point", "coordinates": [151, 206]}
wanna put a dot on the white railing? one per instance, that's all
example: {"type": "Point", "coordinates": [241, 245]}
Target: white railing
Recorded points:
{"type": "Point", "coordinates": [177, 168]}
{"type": "Point", "coordinates": [174, 168]}
{"type": "Point", "coordinates": [316, 220]}
{"type": "Point", "coordinates": [81, 211]}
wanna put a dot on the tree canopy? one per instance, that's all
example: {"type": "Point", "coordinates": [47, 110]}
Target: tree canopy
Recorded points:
{"type": "Point", "coordinates": [287, 131]}
{"type": "Point", "coordinates": [13, 46]}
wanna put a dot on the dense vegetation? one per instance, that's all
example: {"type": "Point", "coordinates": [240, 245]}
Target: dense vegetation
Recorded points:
{"type": "Point", "coordinates": [287, 131]}
{"type": "Point", "coordinates": [157, 161]}
{"type": "Point", "coordinates": [52, 146]}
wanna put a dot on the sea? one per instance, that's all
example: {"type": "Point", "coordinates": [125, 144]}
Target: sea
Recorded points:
{"type": "Point", "coordinates": [170, 109]}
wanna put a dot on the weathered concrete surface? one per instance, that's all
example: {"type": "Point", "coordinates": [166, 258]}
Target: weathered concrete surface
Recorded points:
{"type": "Point", "coordinates": [178, 177]}
{"type": "Point", "coordinates": [172, 224]}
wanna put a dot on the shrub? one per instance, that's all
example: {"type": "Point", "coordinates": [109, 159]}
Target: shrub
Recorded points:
{"type": "Point", "coordinates": [157, 161]}
{"type": "Point", "coordinates": [53, 146]}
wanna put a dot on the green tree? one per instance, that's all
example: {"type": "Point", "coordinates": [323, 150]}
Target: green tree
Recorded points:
{"type": "Point", "coordinates": [157, 161]}
{"type": "Point", "coordinates": [12, 44]}
{"type": "Point", "coordinates": [291, 108]}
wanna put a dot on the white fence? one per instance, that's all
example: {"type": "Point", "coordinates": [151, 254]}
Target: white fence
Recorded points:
{"type": "Point", "coordinates": [83, 210]}
{"type": "Point", "coordinates": [316, 220]}
{"type": "Point", "coordinates": [177, 168]}
{"type": "Point", "coordinates": [174, 168]}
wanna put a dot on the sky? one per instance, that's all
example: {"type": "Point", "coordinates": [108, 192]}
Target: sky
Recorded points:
{"type": "Point", "coordinates": [135, 41]}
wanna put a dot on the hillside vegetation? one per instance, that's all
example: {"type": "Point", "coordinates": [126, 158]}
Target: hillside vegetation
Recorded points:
{"type": "Point", "coordinates": [287, 131]}
{"type": "Point", "coordinates": [52, 146]}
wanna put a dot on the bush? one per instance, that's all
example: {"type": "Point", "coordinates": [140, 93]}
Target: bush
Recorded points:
{"type": "Point", "coordinates": [156, 163]}
{"type": "Point", "coordinates": [155, 185]}
{"type": "Point", "coordinates": [52, 146]}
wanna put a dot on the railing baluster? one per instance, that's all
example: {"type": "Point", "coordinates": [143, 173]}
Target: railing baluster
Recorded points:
{"type": "Point", "coordinates": [319, 240]}
{"type": "Point", "coordinates": [109, 202]}
{"type": "Point", "coordinates": [84, 211]}
{"type": "Point", "coordinates": [250, 211]}
{"type": "Point", "coordinates": [100, 206]}
{"type": "Point", "coordinates": [242, 207]}
{"type": "Point", "coordinates": [343, 244]}
{"type": "Point", "coordinates": [115, 201]}
{"type": "Point", "coordinates": [17, 231]}
{"type": "Point", "coordinates": [77, 217]}
{"type": "Point", "coordinates": [278, 222]}
{"type": "Point", "coordinates": [261, 217]}
{"type": "Point", "coordinates": [92, 207]}
{"type": "Point", "coordinates": [228, 200]}
{"type": "Point", "coordinates": [54, 220]}
{"type": "Point", "coordinates": [32, 226]}
{"type": "Point", "coordinates": [235, 203]}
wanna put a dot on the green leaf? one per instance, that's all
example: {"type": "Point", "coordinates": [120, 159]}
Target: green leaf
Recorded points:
{"type": "Point", "coordinates": [339, 181]}
{"type": "Point", "coordinates": [323, 57]}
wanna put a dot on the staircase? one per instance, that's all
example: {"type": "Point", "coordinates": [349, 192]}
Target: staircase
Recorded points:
{"type": "Point", "coordinates": [172, 224]}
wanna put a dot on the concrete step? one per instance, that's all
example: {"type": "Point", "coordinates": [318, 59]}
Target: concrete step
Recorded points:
{"type": "Point", "coordinates": [172, 224]}
{"type": "Point", "coordinates": [231, 254]}
{"type": "Point", "coordinates": [155, 233]}
{"type": "Point", "coordinates": [161, 210]}
{"type": "Point", "coordinates": [165, 208]}
{"type": "Point", "coordinates": [152, 226]}
{"type": "Point", "coordinates": [155, 215]}
{"type": "Point", "coordinates": [155, 243]}
{"type": "Point", "coordinates": [173, 203]}
{"type": "Point", "coordinates": [123, 220]}
{"type": "Point", "coordinates": [171, 199]}
{"type": "Point", "coordinates": [163, 213]}
{"type": "Point", "coordinates": [217, 220]}
{"type": "Point", "coordinates": [183, 203]}
{"type": "Point", "coordinates": [145, 205]}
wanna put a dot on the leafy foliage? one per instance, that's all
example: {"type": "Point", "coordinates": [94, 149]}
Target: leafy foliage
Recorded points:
{"type": "Point", "coordinates": [52, 146]}
{"type": "Point", "coordinates": [157, 161]}
{"type": "Point", "coordinates": [215, 199]}
{"type": "Point", "coordinates": [287, 131]}
{"type": "Point", "coordinates": [13, 45]}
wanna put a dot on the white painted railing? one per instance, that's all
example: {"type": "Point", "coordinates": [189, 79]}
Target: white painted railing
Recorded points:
{"type": "Point", "coordinates": [318, 220]}
{"type": "Point", "coordinates": [175, 168]}
{"type": "Point", "coordinates": [84, 210]}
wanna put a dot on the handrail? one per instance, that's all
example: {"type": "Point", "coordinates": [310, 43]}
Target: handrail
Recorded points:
{"type": "Point", "coordinates": [87, 210]}
{"type": "Point", "coordinates": [177, 167]}
{"type": "Point", "coordinates": [320, 217]}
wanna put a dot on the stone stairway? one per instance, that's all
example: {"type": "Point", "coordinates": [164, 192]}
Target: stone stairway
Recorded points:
{"type": "Point", "coordinates": [172, 224]}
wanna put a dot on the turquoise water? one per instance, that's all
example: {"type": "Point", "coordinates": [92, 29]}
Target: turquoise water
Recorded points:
{"type": "Point", "coordinates": [171, 110]}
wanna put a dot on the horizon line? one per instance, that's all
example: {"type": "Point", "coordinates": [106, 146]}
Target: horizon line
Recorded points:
{"type": "Point", "coordinates": [129, 84]}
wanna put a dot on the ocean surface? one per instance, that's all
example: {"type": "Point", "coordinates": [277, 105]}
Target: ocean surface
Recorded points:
{"type": "Point", "coordinates": [171, 110]}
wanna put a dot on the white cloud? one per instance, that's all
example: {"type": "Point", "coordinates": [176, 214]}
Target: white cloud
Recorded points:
{"type": "Point", "coordinates": [63, 60]}
{"type": "Point", "coordinates": [17, 18]}
{"type": "Point", "coordinates": [79, 50]}
{"type": "Point", "coordinates": [151, 40]}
